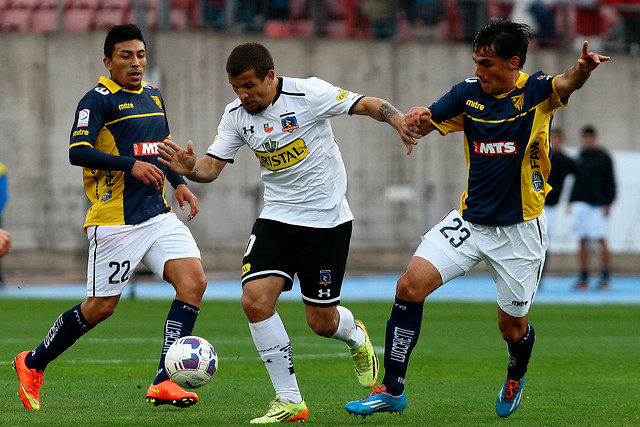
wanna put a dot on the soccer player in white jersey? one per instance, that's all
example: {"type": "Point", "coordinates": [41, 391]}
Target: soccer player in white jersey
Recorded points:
{"type": "Point", "coordinates": [505, 115]}
{"type": "Point", "coordinates": [305, 225]}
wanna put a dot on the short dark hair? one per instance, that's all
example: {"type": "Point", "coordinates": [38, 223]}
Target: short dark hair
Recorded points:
{"type": "Point", "coordinates": [250, 56]}
{"type": "Point", "coordinates": [558, 131]}
{"type": "Point", "coordinates": [504, 38]}
{"type": "Point", "coordinates": [121, 33]}
{"type": "Point", "coordinates": [589, 130]}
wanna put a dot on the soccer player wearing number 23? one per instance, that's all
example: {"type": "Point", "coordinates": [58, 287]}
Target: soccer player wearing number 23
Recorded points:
{"type": "Point", "coordinates": [117, 128]}
{"type": "Point", "coordinates": [505, 115]}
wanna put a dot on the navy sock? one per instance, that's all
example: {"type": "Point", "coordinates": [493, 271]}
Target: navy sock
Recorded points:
{"type": "Point", "coordinates": [180, 322]}
{"type": "Point", "coordinates": [520, 353]}
{"type": "Point", "coordinates": [403, 329]}
{"type": "Point", "coordinates": [66, 330]}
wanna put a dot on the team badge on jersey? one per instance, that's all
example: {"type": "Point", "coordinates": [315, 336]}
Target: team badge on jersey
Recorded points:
{"type": "Point", "coordinates": [537, 181]}
{"type": "Point", "coordinates": [268, 127]}
{"type": "Point", "coordinates": [83, 118]}
{"type": "Point", "coordinates": [289, 123]}
{"type": "Point", "coordinates": [342, 95]}
{"type": "Point", "coordinates": [518, 101]}
{"type": "Point", "coordinates": [325, 277]}
{"type": "Point", "coordinates": [270, 146]}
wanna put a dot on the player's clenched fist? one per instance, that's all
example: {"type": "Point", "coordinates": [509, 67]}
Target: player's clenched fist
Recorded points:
{"type": "Point", "coordinates": [5, 242]}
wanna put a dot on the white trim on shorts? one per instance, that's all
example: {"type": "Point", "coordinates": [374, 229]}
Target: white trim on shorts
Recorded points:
{"type": "Point", "coordinates": [116, 250]}
{"type": "Point", "coordinates": [514, 255]}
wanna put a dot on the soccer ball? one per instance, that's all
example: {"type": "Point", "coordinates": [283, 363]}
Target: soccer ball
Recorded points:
{"type": "Point", "coordinates": [191, 362]}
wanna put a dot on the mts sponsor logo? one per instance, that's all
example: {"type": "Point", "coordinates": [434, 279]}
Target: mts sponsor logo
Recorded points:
{"type": "Point", "coordinates": [495, 148]}
{"type": "Point", "coordinates": [145, 148]}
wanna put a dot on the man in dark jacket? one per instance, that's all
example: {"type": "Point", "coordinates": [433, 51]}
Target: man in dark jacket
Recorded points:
{"type": "Point", "coordinates": [593, 192]}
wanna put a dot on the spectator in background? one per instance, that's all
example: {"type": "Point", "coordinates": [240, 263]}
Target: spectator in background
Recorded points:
{"type": "Point", "coordinates": [425, 15]}
{"type": "Point", "coordinates": [383, 17]}
{"type": "Point", "coordinates": [473, 14]}
{"type": "Point", "coordinates": [214, 13]}
{"type": "Point", "coordinates": [4, 197]}
{"type": "Point", "coordinates": [561, 166]}
{"type": "Point", "coordinates": [593, 192]}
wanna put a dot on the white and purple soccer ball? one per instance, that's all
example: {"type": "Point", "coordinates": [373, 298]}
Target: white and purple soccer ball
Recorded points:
{"type": "Point", "coordinates": [191, 362]}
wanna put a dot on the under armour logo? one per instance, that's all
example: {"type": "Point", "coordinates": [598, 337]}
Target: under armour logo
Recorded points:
{"type": "Point", "coordinates": [250, 129]}
{"type": "Point", "coordinates": [324, 293]}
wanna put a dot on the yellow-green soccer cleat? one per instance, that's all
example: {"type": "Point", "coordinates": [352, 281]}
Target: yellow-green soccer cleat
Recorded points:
{"type": "Point", "coordinates": [365, 360]}
{"type": "Point", "coordinates": [283, 412]}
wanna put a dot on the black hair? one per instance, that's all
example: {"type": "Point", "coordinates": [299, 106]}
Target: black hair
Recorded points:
{"type": "Point", "coordinates": [250, 56]}
{"type": "Point", "coordinates": [121, 33]}
{"type": "Point", "coordinates": [589, 129]}
{"type": "Point", "coordinates": [504, 38]}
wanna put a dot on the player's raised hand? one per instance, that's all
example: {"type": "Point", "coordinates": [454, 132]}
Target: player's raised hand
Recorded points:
{"type": "Point", "coordinates": [177, 159]}
{"type": "Point", "coordinates": [183, 194]}
{"type": "Point", "coordinates": [588, 61]}
{"type": "Point", "coordinates": [148, 173]}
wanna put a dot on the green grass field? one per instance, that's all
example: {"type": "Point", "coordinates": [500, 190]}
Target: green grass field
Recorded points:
{"type": "Point", "coordinates": [585, 367]}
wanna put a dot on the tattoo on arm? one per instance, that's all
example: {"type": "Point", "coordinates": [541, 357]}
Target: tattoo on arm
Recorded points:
{"type": "Point", "coordinates": [387, 111]}
{"type": "Point", "coordinates": [194, 172]}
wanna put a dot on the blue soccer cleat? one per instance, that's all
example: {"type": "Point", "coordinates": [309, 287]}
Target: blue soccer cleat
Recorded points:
{"type": "Point", "coordinates": [509, 397]}
{"type": "Point", "coordinates": [378, 401]}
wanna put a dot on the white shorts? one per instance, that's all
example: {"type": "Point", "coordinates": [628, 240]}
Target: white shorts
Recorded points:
{"type": "Point", "coordinates": [589, 221]}
{"type": "Point", "coordinates": [116, 250]}
{"type": "Point", "coordinates": [514, 255]}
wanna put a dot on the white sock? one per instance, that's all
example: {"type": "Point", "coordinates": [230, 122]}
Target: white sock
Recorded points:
{"type": "Point", "coordinates": [274, 347]}
{"type": "Point", "coordinates": [347, 332]}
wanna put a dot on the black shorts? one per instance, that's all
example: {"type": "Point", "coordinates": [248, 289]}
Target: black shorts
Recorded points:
{"type": "Point", "coordinates": [317, 255]}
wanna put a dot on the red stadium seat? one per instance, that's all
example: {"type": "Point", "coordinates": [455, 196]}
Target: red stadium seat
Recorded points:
{"type": "Point", "coordinates": [78, 19]}
{"type": "Point", "coordinates": [178, 19]}
{"type": "Point", "coordinates": [17, 19]}
{"type": "Point", "coordinates": [44, 20]}
{"type": "Point", "coordinates": [105, 18]}
{"type": "Point", "coordinates": [117, 4]}
{"type": "Point", "coordinates": [25, 4]}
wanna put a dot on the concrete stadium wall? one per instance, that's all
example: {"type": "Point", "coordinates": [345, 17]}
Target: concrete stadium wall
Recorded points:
{"type": "Point", "coordinates": [394, 197]}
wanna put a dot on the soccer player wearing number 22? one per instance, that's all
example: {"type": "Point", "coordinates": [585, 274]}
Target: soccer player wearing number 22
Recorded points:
{"type": "Point", "coordinates": [117, 128]}
{"type": "Point", "coordinates": [505, 115]}
{"type": "Point", "coordinates": [305, 225]}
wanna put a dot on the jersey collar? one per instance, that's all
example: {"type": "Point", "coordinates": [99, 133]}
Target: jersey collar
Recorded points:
{"type": "Point", "coordinates": [114, 87]}
{"type": "Point", "coordinates": [520, 81]}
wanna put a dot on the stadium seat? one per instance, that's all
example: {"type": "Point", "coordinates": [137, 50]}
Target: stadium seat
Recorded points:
{"type": "Point", "coordinates": [17, 20]}
{"type": "Point", "coordinates": [117, 4]}
{"type": "Point", "coordinates": [44, 20]}
{"type": "Point", "coordinates": [337, 29]}
{"type": "Point", "coordinates": [25, 4]}
{"type": "Point", "coordinates": [78, 19]}
{"type": "Point", "coordinates": [304, 28]}
{"type": "Point", "coordinates": [178, 19]}
{"type": "Point", "coordinates": [105, 18]}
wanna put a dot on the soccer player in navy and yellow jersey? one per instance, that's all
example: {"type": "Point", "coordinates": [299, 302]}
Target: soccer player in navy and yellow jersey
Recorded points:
{"type": "Point", "coordinates": [117, 127]}
{"type": "Point", "coordinates": [505, 115]}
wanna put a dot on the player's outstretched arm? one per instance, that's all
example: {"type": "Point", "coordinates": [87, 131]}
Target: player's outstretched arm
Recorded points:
{"type": "Point", "coordinates": [183, 194]}
{"type": "Point", "coordinates": [183, 162]}
{"type": "Point", "coordinates": [383, 111]}
{"type": "Point", "coordinates": [418, 120]}
{"type": "Point", "coordinates": [576, 76]}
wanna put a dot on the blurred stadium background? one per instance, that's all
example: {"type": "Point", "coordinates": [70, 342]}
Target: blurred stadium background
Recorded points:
{"type": "Point", "coordinates": [409, 52]}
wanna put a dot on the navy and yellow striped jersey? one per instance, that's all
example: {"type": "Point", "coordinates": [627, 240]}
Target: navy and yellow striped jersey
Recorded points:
{"type": "Point", "coordinates": [506, 145]}
{"type": "Point", "coordinates": [127, 123]}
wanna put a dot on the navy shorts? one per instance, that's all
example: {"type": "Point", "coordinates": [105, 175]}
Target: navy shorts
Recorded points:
{"type": "Point", "coordinates": [317, 255]}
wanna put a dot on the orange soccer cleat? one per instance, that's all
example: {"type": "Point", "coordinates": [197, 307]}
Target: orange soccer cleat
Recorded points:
{"type": "Point", "coordinates": [170, 393]}
{"type": "Point", "coordinates": [29, 382]}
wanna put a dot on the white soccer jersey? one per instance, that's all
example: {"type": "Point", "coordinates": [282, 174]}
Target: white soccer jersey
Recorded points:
{"type": "Point", "coordinates": [302, 169]}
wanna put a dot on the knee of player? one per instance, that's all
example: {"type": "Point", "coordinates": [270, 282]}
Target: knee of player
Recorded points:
{"type": "Point", "coordinates": [512, 333]}
{"type": "Point", "coordinates": [321, 329]}
{"type": "Point", "coordinates": [99, 310]}
{"type": "Point", "coordinates": [410, 289]}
